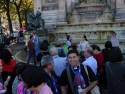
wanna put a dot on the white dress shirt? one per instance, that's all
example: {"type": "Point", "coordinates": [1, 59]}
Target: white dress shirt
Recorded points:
{"type": "Point", "coordinates": [92, 63]}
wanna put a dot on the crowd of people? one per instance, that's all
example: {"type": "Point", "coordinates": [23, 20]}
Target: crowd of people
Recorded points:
{"type": "Point", "coordinates": [7, 39]}
{"type": "Point", "coordinates": [56, 71]}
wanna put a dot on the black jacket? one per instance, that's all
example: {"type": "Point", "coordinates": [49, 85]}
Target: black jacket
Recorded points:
{"type": "Point", "coordinates": [49, 80]}
{"type": "Point", "coordinates": [7, 41]}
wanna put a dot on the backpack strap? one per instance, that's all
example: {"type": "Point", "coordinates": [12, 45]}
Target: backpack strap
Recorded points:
{"type": "Point", "coordinates": [70, 80]}
{"type": "Point", "coordinates": [85, 67]}
{"type": "Point", "coordinates": [42, 53]}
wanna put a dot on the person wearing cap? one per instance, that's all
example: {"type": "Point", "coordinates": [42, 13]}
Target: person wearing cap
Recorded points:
{"type": "Point", "coordinates": [47, 63]}
{"type": "Point", "coordinates": [61, 52]}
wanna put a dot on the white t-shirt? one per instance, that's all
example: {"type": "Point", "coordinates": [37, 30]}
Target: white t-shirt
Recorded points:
{"type": "Point", "coordinates": [92, 63]}
{"type": "Point", "coordinates": [83, 45]}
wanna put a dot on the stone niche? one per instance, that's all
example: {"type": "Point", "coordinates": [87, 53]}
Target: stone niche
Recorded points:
{"type": "Point", "coordinates": [53, 11]}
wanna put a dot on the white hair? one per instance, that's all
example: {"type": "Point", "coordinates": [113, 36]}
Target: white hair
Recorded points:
{"type": "Point", "coordinates": [53, 51]}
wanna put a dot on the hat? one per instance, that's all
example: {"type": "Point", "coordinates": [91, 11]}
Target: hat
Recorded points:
{"type": "Point", "coordinates": [58, 43]}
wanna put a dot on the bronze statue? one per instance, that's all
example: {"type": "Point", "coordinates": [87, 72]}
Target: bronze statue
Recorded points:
{"type": "Point", "coordinates": [35, 21]}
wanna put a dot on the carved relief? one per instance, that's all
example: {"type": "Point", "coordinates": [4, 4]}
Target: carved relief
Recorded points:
{"type": "Point", "coordinates": [52, 7]}
{"type": "Point", "coordinates": [50, 1]}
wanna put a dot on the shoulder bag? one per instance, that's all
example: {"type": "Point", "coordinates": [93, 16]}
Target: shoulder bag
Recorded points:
{"type": "Point", "coordinates": [95, 90]}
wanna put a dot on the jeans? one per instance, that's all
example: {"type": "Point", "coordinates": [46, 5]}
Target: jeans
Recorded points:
{"type": "Point", "coordinates": [30, 54]}
{"type": "Point", "coordinates": [21, 39]}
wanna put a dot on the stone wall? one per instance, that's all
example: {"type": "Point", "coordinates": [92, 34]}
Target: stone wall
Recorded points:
{"type": "Point", "coordinates": [120, 10]}
{"type": "Point", "coordinates": [92, 19]}
{"type": "Point", "coordinates": [53, 11]}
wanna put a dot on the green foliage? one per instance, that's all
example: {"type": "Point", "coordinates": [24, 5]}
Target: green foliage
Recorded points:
{"type": "Point", "coordinates": [23, 7]}
{"type": "Point", "coordinates": [26, 6]}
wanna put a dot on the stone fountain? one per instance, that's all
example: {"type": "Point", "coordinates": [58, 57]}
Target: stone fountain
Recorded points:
{"type": "Point", "coordinates": [80, 17]}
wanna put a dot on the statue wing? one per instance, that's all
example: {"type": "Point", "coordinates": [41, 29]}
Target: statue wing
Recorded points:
{"type": "Point", "coordinates": [29, 17]}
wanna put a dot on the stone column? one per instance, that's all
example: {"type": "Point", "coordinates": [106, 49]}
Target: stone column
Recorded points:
{"type": "Point", "coordinates": [37, 5]}
{"type": "Point", "coordinates": [62, 11]}
{"type": "Point", "coordinates": [68, 2]}
{"type": "Point", "coordinates": [109, 3]}
{"type": "Point", "coordinates": [73, 5]}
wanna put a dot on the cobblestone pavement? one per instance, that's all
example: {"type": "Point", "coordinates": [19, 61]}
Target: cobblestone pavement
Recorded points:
{"type": "Point", "coordinates": [17, 50]}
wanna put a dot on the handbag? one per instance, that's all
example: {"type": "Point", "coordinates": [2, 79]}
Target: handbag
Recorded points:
{"type": "Point", "coordinates": [95, 90]}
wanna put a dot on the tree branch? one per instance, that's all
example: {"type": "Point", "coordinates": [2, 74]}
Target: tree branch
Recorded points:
{"type": "Point", "coordinates": [29, 5]}
{"type": "Point", "coordinates": [20, 3]}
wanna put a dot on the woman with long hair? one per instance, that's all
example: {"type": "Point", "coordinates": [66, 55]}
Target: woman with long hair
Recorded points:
{"type": "Point", "coordinates": [83, 45]}
{"type": "Point", "coordinates": [20, 88]}
{"type": "Point", "coordinates": [8, 68]}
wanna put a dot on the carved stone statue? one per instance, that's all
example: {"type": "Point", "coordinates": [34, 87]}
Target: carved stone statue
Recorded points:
{"type": "Point", "coordinates": [35, 21]}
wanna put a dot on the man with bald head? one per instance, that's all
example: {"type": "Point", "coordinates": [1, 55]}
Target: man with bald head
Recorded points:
{"type": "Point", "coordinates": [59, 62]}
{"type": "Point", "coordinates": [90, 60]}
